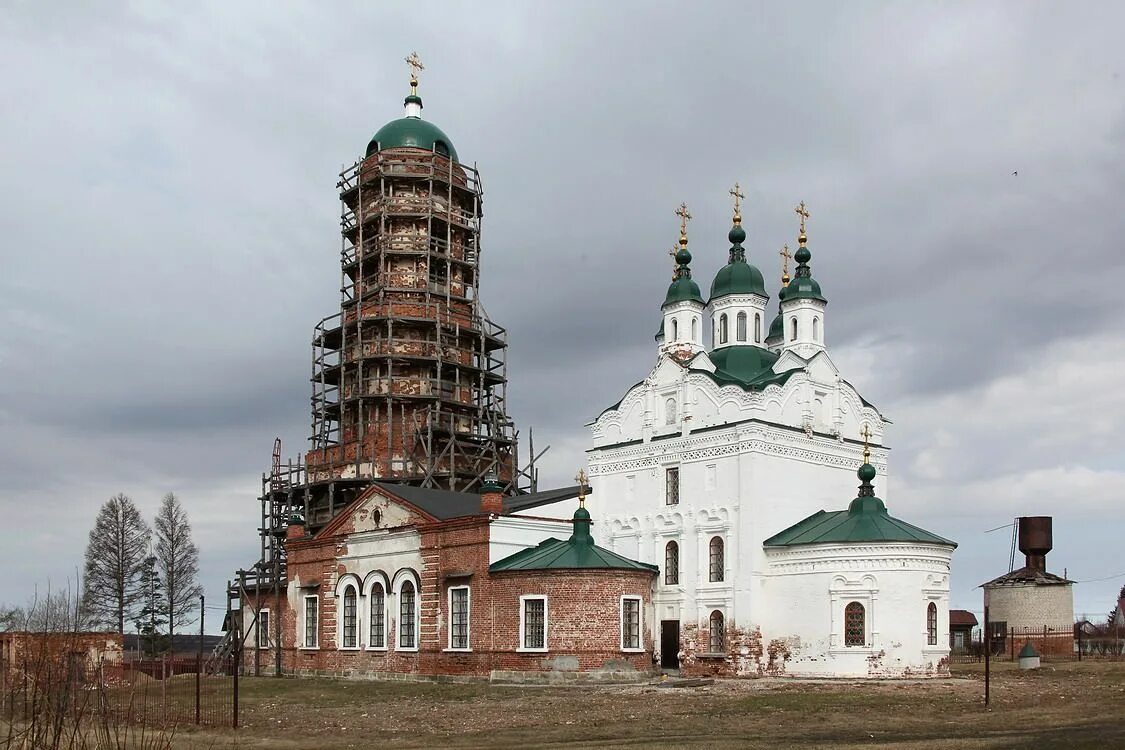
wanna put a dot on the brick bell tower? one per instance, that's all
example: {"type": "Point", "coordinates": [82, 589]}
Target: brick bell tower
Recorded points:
{"type": "Point", "coordinates": [409, 378]}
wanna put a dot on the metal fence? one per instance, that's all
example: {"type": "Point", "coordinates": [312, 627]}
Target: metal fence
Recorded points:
{"type": "Point", "coordinates": [1051, 645]}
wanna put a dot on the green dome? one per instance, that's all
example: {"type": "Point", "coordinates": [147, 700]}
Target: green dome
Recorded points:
{"type": "Point", "coordinates": [803, 287]}
{"type": "Point", "coordinates": [738, 277]}
{"type": "Point", "coordinates": [866, 473]}
{"type": "Point", "coordinates": [683, 289]}
{"type": "Point", "coordinates": [412, 132]}
{"type": "Point", "coordinates": [743, 363]}
{"type": "Point", "coordinates": [777, 329]}
{"type": "Point", "coordinates": [736, 235]}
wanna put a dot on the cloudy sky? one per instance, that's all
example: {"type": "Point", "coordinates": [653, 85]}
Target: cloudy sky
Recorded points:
{"type": "Point", "coordinates": [169, 237]}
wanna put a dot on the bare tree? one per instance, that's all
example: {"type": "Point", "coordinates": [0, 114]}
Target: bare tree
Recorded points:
{"type": "Point", "coordinates": [115, 558]}
{"type": "Point", "coordinates": [11, 618]}
{"type": "Point", "coordinates": [54, 612]}
{"type": "Point", "coordinates": [178, 561]}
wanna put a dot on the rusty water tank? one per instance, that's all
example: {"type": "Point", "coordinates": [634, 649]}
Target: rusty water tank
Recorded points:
{"type": "Point", "coordinates": [1035, 540]}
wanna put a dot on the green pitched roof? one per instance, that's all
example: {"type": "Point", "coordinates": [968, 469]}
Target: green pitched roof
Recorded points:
{"type": "Point", "coordinates": [577, 553]}
{"type": "Point", "coordinates": [866, 520]}
{"type": "Point", "coordinates": [743, 363]}
{"type": "Point", "coordinates": [412, 132]}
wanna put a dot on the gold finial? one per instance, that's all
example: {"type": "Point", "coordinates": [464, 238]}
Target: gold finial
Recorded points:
{"type": "Point", "coordinates": [685, 217]}
{"type": "Point", "coordinates": [415, 65]}
{"type": "Point", "coordinates": [738, 195]}
{"type": "Point", "coordinates": [785, 256]}
{"type": "Point", "coordinates": [804, 214]}
{"type": "Point", "coordinates": [581, 478]}
{"type": "Point", "coordinates": [866, 448]}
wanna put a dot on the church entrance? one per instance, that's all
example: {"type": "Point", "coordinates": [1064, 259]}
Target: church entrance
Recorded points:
{"type": "Point", "coordinates": [669, 644]}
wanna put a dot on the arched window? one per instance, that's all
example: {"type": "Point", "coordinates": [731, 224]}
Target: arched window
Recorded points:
{"type": "Point", "coordinates": [793, 330]}
{"type": "Point", "coordinates": [350, 627]}
{"type": "Point", "coordinates": [816, 329]}
{"type": "Point", "coordinates": [716, 643]}
{"type": "Point", "coordinates": [931, 624]}
{"type": "Point", "coordinates": [670, 411]}
{"type": "Point", "coordinates": [671, 564]}
{"type": "Point", "coordinates": [723, 328]}
{"type": "Point", "coordinates": [757, 328]}
{"type": "Point", "coordinates": [716, 567]}
{"type": "Point", "coordinates": [407, 616]}
{"type": "Point", "coordinates": [377, 635]}
{"type": "Point", "coordinates": [740, 327]}
{"type": "Point", "coordinates": [675, 330]}
{"type": "Point", "coordinates": [694, 322]}
{"type": "Point", "coordinates": [855, 628]}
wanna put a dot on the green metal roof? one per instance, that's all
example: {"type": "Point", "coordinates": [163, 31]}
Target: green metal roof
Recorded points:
{"type": "Point", "coordinates": [577, 553]}
{"type": "Point", "coordinates": [866, 520]}
{"type": "Point", "coordinates": [412, 132]}
{"type": "Point", "coordinates": [683, 289]}
{"type": "Point", "coordinates": [743, 363]}
{"type": "Point", "coordinates": [738, 277]}
{"type": "Point", "coordinates": [776, 328]}
{"type": "Point", "coordinates": [803, 285]}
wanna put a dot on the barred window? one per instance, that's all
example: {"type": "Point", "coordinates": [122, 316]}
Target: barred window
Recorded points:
{"type": "Point", "coordinates": [717, 640]}
{"type": "Point", "coordinates": [931, 624]}
{"type": "Point", "coordinates": [459, 617]}
{"type": "Point", "coordinates": [672, 486]}
{"type": "Point", "coordinates": [630, 623]}
{"type": "Point", "coordinates": [377, 636]}
{"type": "Point", "coordinates": [740, 327]}
{"type": "Point", "coordinates": [407, 616]}
{"type": "Point", "coordinates": [350, 627]}
{"type": "Point", "coordinates": [717, 564]}
{"type": "Point", "coordinates": [855, 626]}
{"type": "Point", "coordinates": [671, 564]}
{"type": "Point", "coordinates": [264, 629]}
{"type": "Point", "coordinates": [312, 621]}
{"type": "Point", "coordinates": [533, 623]}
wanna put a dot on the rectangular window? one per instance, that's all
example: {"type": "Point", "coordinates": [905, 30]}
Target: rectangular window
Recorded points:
{"type": "Point", "coordinates": [351, 628]}
{"type": "Point", "coordinates": [631, 623]}
{"type": "Point", "coordinates": [459, 617]}
{"type": "Point", "coordinates": [312, 621]}
{"type": "Point", "coordinates": [533, 623]}
{"type": "Point", "coordinates": [672, 486]}
{"type": "Point", "coordinates": [264, 629]}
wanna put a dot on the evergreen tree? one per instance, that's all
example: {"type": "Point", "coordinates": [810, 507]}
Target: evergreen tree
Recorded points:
{"type": "Point", "coordinates": [150, 619]}
{"type": "Point", "coordinates": [115, 561]}
{"type": "Point", "coordinates": [178, 561]}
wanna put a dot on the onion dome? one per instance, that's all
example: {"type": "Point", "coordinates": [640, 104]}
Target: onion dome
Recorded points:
{"type": "Point", "coordinates": [683, 288]}
{"type": "Point", "coordinates": [803, 285]}
{"type": "Point", "coordinates": [737, 276]}
{"type": "Point", "coordinates": [412, 131]}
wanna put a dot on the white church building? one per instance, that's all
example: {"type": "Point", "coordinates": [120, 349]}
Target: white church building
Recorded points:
{"type": "Point", "coordinates": [731, 467]}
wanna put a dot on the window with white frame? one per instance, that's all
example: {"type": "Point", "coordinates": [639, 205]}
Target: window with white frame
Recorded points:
{"type": "Point", "coordinates": [533, 623]}
{"type": "Point", "coordinates": [717, 564]}
{"type": "Point", "coordinates": [931, 624]}
{"type": "Point", "coordinates": [855, 625]}
{"type": "Point", "coordinates": [312, 621]}
{"type": "Point", "coordinates": [671, 564]}
{"type": "Point", "coordinates": [716, 640]}
{"type": "Point", "coordinates": [264, 629]}
{"type": "Point", "coordinates": [407, 616]}
{"type": "Point", "coordinates": [723, 328]}
{"type": "Point", "coordinates": [740, 327]}
{"type": "Point", "coordinates": [459, 618]}
{"type": "Point", "coordinates": [631, 623]}
{"type": "Point", "coordinates": [672, 486]}
{"type": "Point", "coordinates": [377, 617]}
{"type": "Point", "coordinates": [670, 411]}
{"type": "Point", "coordinates": [757, 328]}
{"type": "Point", "coordinates": [350, 616]}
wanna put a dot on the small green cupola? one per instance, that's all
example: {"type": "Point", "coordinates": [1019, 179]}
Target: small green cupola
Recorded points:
{"type": "Point", "coordinates": [737, 276]}
{"type": "Point", "coordinates": [803, 285]}
{"type": "Point", "coordinates": [682, 312]}
{"type": "Point", "coordinates": [682, 288]}
{"type": "Point", "coordinates": [411, 131]}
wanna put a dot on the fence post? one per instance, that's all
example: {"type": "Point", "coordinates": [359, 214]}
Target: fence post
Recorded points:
{"type": "Point", "coordinates": [1079, 643]}
{"type": "Point", "coordinates": [237, 669]}
{"type": "Point", "coordinates": [199, 660]}
{"type": "Point", "coordinates": [987, 655]}
{"type": "Point", "coordinates": [1012, 642]}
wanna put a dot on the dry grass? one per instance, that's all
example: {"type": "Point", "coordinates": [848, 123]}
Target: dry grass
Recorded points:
{"type": "Point", "coordinates": [1061, 706]}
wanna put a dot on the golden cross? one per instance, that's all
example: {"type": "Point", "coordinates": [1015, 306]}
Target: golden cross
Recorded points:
{"type": "Point", "coordinates": [866, 448]}
{"type": "Point", "coordinates": [581, 478]}
{"type": "Point", "coordinates": [685, 217]}
{"type": "Point", "coordinates": [738, 195]}
{"type": "Point", "coordinates": [804, 214]}
{"type": "Point", "coordinates": [415, 65]}
{"type": "Point", "coordinates": [785, 256]}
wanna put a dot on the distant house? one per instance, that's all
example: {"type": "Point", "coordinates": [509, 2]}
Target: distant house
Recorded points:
{"type": "Point", "coordinates": [961, 624]}
{"type": "Point", "coordinates": [29, 653]}
{"type": "Point", "coordinates": [184, 645]}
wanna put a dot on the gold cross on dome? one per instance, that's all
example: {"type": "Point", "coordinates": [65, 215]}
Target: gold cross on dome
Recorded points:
{"type": "Point", "coordinates": [785, 256]}
{"type": "Point", "coordinates": [685, 217]}
{"type": "Point", "coordinates": [866, 448]}
{"type": "Point", "coordinates": [738, 195]}
{"type": "Point", "coordinates": [804, 214]}
{"type": "Point", "coordinates": [581, 478]}
{"type": "Point", "coordinates": [415, 65]}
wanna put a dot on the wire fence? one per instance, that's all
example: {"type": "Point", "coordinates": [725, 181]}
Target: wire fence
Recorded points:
{"type": "Point", "coordinates": [1049, 644]}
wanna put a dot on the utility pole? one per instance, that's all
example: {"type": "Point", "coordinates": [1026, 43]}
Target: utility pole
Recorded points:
{"type": "Point", "coordinates": [987, 654]}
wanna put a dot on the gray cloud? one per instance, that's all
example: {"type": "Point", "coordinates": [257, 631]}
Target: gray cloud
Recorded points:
{"type": "Point", "coordinates": [169, 230]}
